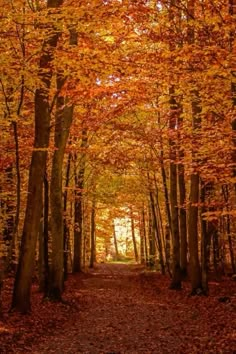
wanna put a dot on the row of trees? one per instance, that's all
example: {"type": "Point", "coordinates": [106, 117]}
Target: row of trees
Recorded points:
{"type": "Point", "coordinates": [109, 105]}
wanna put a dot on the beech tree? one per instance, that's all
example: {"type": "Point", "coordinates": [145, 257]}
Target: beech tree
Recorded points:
{"type": "Point", "coordinates": [21, 294]}
{"type": "Point", "coordinates": [63, 121]}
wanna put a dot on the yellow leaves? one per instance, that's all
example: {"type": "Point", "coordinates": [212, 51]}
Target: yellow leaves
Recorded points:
{"type": "Point", "coordinates": [41, 149]}
{"type": "Point", "coordinates": [109, 39]}
{"type": "Point", "coordinates": [215, 215]}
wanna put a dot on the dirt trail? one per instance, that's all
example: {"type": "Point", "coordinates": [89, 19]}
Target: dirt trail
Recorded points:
{"type": "Point", "coordinates": [124, 310]}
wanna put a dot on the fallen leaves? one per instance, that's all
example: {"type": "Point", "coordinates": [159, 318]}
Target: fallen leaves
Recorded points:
{"type": "Point", "coordinates": [121, 309]}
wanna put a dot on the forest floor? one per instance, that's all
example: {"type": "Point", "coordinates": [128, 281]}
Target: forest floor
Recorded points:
{"type": "Point", "coordinates": [118, 308]}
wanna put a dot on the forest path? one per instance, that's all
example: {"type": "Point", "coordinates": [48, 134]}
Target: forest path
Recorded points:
{"type": "Point", "coordinates": [122, 309]}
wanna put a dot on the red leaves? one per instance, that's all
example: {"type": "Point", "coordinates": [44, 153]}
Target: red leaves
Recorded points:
{"type": "Point", "coordinates": [121, 309]}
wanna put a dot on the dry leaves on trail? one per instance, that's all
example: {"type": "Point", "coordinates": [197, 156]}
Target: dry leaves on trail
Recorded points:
{"type": "Point", "coordinates": [124, 309]}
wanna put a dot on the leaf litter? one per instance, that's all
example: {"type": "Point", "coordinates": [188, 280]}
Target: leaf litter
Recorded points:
{"type": "Point", "coordinates": [119, 308]}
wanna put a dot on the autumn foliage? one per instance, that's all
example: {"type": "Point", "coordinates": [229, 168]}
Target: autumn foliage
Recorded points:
{"type": "Point", "coordinates": [116, 111]}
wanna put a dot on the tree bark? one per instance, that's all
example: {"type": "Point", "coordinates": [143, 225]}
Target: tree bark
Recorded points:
{"type": "Point", "coordinates": [66, 234]}
{"type": "Point", "coordinates": [157, 232]}
{"type": "Point", "coordinates": [46, 234]}
{"type": "Point", "coordinates": [143, 241]}
{"type": "Point", "coordinates": [151, 240]}
{"type": "Point", "coordinates": [63, 120]}
{"type": "Point", "coordinates": [22, 284]}
{"type": "Point", "coordinates": [115, 243]}
{"type": "Point", "coordinates": [78, 217]}
{"type": "Point", "coordinates": [176, 271]}
{"type": "Point", "coordinates": [182, 208]}
{"type": "Point", "coordinates": [133, 236]}
{"type": "Point", "coordinates": [195, 273]}
{"type": "Point", "coordinates": [93, 234]}
{"type": "Point", "coordinates": [232, 12]}
{"type": "Point", "coordinates": [204, 243]}
{"type": "Point", "coordinates": [225, 191]}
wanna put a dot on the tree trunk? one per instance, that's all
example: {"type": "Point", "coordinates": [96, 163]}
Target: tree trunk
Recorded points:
{"type": "Point", "coordinates": [157, 232]}
{"type": "Point", "coordinates": [195, 273]}
{"type": "Point", "coordinates": [115, 243]}
{"type": "Point", "coordinates": [46, 235]}
{"type": "Point", "coordinates": [93, 235]}
{"type": "Point", "coordinates": [165, 187]}
{"type": "Point", "coordinates": [204, 243]}
{"type": "Point", "coordinates": [66, 228]}
{"type": "Point", "coordinates": [167, 249]}
{"type": "Point", "coordinates": [143, 243]}
{"type": "Point", "coordinates": [22, 285]}
{"type": "Point", "coordinates": [182, 208]}
{"type": "Point", "coordinates": [216, 253]}
{"type": "Point", "coordinates": [225, 191]}
{"type": "Point", "coordinates": [164, 181]}
{"type": "Point", "coordinates": [176, 271]}
{"type": "Point", "coordinates": [41, 257]}
{"type": "Point", "coordinates": [63, 120]}
{"type": "Point", "coordinates": [78, 216]}
{"type": "Point", "coordinates": [231, 250]}
{"type": "Point", "coordinates": [133, 236]}
{"type": "Point", "coordinates": [232, 12]}
{"type": "Point", "coordinates": [151, 240]}
{"type": "Point", "coordinates": [8, 229]}
{"type": "Point", "coordinates": [159, 226]}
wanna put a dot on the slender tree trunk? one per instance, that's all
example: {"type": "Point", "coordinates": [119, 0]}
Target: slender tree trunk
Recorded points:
{"type": "Point", "coordinates": [78, 217]}
{"type": "Point", "coordinates": [1, 286]}
{"type": "Point", "coordinates": [22, 285]}
{"type": "Point", "coordinates": [216, 253]}
{"type": "Point", "coordinates": [17, 159]}
{"type": "Point", "coordinates": [164, 181]}
{"type": "Point", "coordinates": [142, 231]}
{"type": "Point", "coordinates": [8, 229]}
{"type": "Point", "coordinates": [157, 232]}
{"type": "Point", "coordinates": [204, 243]}
{"type": "Point", "coordinates": [133, 236]}
{"type": "Point", "coordinates": [176, 271]}
{"type": "Point", "coordinates": [41, 257]}
{"type": "Point", "coordinates": [93, 234]}
{"type": "Point", "coordinates": [66, 228]}
{"type": "Point", "coordinates": [142, 253]}
{"type": "Point", "coordinates": [145, 235]}
{"type": "Point", "coordinates": [231, 250]}
{"type": "Point", "coordinates": [182, 208]}
{"type": "Point", "coordinates": [151, 240]}
{"type": "Point", "coordinates": [195, 273]}
{"type": "Point", "coordinates": [11, 257]}
{"type": "Point", "coordinates": [167, 249]}
{"type": "Point", "coordinates": [225, 191]}
{"type": "Point", "coordinates": [115, 242]}
{"type": "Point", "coordinates": [12, 253]}
{"type": "Point", "coordinates": [232, 12]}
{"type": "Point", "coordinates": [159, 226]}
{"type": "Point", "coordinates": [46, 234]}
{"type": "Point", "coordinates": [165, 187]}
